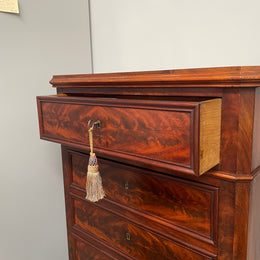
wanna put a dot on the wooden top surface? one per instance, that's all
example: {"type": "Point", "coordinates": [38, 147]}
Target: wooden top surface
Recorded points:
{"type": "Point", "coordinates": [247, 76]}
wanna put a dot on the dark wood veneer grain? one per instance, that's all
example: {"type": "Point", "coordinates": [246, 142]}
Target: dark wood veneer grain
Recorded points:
{"type": "Point", "coordinates": [85, 251]}
{"type": "Point", "coordinates": [174, 200]}
{"type": "Point", "coordinates": [162, 132]}
{"type": "Point", "coordinates": [126, 128]}
{"type": "Point", "coordinates": [130, 238]}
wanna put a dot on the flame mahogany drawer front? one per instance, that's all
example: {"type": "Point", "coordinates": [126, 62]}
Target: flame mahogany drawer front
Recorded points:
{"type": "Point", "coordinates": [182, 136]}
{"type": "Point", "coordinates": [188, 206]}
{"type": "Point", "coordinates": [133, 240]}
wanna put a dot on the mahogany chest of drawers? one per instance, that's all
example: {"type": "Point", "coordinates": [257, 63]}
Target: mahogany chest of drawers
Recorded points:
{"type": "Point", "coordinates": [179, 157]}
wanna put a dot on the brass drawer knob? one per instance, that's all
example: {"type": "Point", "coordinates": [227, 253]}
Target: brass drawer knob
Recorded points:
{"type": "Point", "coordinates": [127, 236]}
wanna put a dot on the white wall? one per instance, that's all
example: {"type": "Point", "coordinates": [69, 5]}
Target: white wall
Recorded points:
{"type": "Point", "coordinates": [168, 34]}
{"type": "Point", "coordinates": [48, 37]}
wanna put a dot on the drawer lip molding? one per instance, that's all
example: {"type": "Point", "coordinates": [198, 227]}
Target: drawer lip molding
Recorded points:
{"type": "Point", "coordinates": [178, 125]}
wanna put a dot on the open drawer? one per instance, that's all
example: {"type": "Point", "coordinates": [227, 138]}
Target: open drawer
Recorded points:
{"type": "Point", "coordinates": [175, 135]}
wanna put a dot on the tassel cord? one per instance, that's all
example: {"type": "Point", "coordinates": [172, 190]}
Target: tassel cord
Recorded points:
{"type": "Point", "coordinates": [91, 140]}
